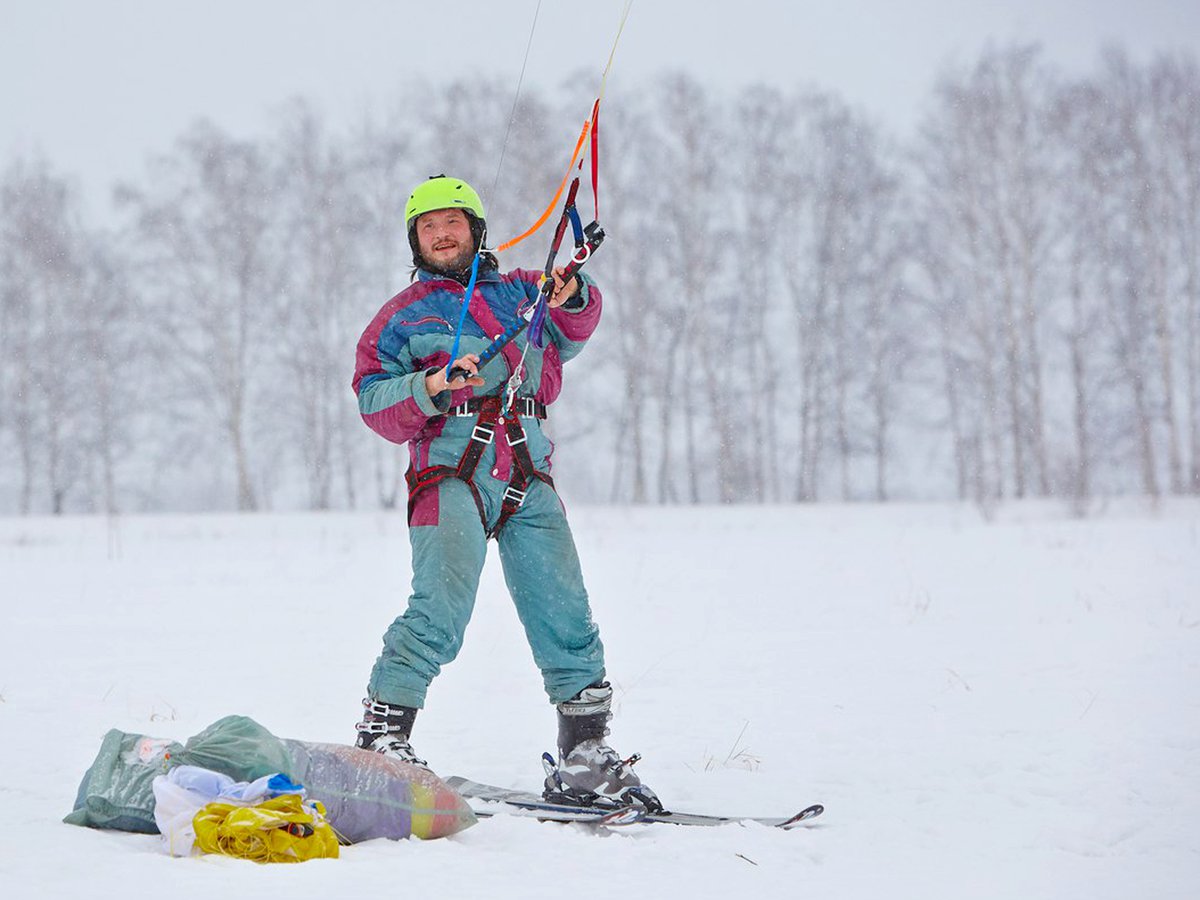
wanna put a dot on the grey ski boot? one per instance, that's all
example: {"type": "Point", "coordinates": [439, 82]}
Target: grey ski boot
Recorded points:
{"type": "Point", "coordinates": [385, 729]}
{"type": "Point", "coordinates": [588, 771]}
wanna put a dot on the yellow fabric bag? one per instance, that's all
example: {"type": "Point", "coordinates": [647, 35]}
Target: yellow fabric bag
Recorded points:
{"type": "Point", "coordinates": [282, 829]}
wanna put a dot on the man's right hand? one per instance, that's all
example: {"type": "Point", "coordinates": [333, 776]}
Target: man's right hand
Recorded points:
{"type": "Point", "coordinates": [436, 383]}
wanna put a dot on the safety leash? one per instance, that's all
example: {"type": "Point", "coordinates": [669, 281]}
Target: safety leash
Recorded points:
{"type": "Point", "coordinates": [462, 316]}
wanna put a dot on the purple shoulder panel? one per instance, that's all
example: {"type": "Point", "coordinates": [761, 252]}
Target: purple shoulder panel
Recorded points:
{"type": "Point", "coordinates": [366, 360]}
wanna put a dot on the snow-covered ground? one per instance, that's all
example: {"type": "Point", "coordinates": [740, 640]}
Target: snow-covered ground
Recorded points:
{"type": "Point", "coordinates": [1003, 710]}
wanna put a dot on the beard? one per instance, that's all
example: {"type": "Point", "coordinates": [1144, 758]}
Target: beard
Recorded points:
{"type": "Point", "coordinates": [487, 263]}
{"type": "Point", "coordinates": [453, 267]}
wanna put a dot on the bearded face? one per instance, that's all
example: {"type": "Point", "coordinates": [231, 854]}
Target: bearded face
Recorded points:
{"type": "Point", "coordinates": [445, 241]}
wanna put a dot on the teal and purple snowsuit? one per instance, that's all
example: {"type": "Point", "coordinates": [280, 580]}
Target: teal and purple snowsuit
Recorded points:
{"type": "Point", "coordinates": [409, 338]}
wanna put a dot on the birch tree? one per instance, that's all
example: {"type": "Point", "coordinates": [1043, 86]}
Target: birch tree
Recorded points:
{"type": "Point", "coordinates": [322, 219]}
{"type": "Point", "coordinates": [1175, 89]}
{"type": "Point", "coordinates": [987, 178]}
{"type": "Point", "coordinates": [42, 299]}
{"type": "Point", "coordinates": [204, 229]}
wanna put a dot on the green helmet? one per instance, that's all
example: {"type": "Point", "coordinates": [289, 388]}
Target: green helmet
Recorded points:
{"type": "Point", "coordinates": [442, 192]}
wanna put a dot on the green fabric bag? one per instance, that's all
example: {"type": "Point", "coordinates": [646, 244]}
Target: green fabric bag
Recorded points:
{"type": "Point", "coordinates": [116, 792]}
{"type": "Point", "coordinates": [239, 747]}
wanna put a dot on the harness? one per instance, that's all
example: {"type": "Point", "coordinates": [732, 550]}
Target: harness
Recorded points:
{"type": "Point", "coordinates": [491, 417]}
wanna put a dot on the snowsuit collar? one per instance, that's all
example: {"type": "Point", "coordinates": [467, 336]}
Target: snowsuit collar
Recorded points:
{"type": "Point", "coordinates": [486, 273]}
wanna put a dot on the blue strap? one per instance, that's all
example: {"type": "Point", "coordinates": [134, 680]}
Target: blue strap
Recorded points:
{"type": "Point", "coordinates": [462, 317]}
{"type": "Point", "coordinates": [576, 225]}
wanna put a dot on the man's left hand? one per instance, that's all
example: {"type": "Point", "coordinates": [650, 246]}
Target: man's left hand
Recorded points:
{"type": "Point", "coordinates": [563, 290]}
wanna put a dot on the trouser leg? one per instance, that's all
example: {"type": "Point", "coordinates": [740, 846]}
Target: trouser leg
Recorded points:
{"type": "Point", "coordinates": [447, 558]}
{"type": "Point", "coordinates": [541, 568]}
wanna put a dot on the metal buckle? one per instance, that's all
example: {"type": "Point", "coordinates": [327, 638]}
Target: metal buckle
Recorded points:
{"type": "Point", "coordinates": [516, 496]}
{"type": "Point", "coordinates": [530, 406]}
{"type": "Point", "coordinates": [460, 410]}
{"type": "Point", "coordinates": [582, 254]}
{"type": "Point", "coordinates": [379, 727]}
{"type": "Point", "coordinates": [512, 442]}
{"type": "Point", "coordinates": [483, 433]}
{"type": "Point", "coordinates": [379, 708]}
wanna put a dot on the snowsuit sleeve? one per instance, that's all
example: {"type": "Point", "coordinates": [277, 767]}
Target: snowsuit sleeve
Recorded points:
{"type": "Point", "coordinates": [570, 325]}
{"type": "Point", "coordinates": [390, 385]}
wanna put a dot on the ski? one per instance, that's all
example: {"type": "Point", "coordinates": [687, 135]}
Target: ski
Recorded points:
{"type": "Point", "coordinates": [530, 804]}
{"type": "Point", "coordinates": [493, 801]}
{"type": "Point", "coordinates": [785, 822]}
{"type": "Point", "coordinates": [608, 818]}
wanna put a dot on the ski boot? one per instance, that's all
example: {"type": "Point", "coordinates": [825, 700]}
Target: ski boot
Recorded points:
{"type": "Point", "coordinates": [385, 729]}
{"type": "Point", "coordinates": [588, 772]}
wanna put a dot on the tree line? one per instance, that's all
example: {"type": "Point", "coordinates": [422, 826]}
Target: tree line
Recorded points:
{"type": "Point", "coordinates": [800, 306]}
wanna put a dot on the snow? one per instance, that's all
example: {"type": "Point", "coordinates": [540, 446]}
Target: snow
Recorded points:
{"type": "Point", "coordinates": [1005, 709]}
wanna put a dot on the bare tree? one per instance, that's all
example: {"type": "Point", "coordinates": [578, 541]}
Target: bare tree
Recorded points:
{"type": "Point", "coordinates": [1085, 217]}
{"type": "Point", "coordinates": [1133, 278]}
{"type": "Point", "coordinates": [43, 297]}
{"type": "Point", "coordinates": [204, 231]}
{"type": "Point", "coordinates": [1174, 83]}
{"type": "Point", "coordinates": [630, 281]}
{"type": "Point", "coordinates": [889, 317]}
{"type": "Point", "coordinates": [385, 168]}
{"type": "Point", "coordinates": [689, 143]}
{"type": "Point", "coordinates": [988, 171]}
{"type": "Point", "coordinates": [322, 217]}
{"type": "Point", "coordinates": [840, 197]}
{"type": "Point", "coordinates": [764, 136]}
{"type": "Point", "coordinates": [112, 347]}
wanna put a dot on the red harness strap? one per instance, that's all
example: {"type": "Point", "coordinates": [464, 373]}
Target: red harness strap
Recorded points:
{"type": "Point", "coordinates": [482, 435]}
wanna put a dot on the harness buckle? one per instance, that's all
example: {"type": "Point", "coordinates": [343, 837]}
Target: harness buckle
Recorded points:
{"type": "Point", "coordinates": [514, 441]}
{"type": "Point", "coordinates": [582, 254]}
{"type": "Point", "coordinates": [460, 410]}
{"type": "Point", "coordinates": [514, 495]}
{"type": "Point", "coordinates": [483, 433]}
{"type": "Point", "coordinates": [530, 407]}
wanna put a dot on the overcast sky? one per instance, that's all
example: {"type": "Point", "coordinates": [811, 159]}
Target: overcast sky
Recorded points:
{"type": "Point", "coordinates": [97, 85]}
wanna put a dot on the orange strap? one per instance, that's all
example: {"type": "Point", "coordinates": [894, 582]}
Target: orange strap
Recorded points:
{"type": "Point", "coordinates": [587, 126]}
{"type": "Point", "coordinates": [590, 125]}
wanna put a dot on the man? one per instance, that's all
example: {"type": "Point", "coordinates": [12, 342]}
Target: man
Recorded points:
{"type": "Point", "coordinates": [480, 466]}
